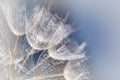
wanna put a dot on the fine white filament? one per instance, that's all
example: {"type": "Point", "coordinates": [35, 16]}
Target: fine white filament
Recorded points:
{"type": "Point", "coordinates": [38, 47]}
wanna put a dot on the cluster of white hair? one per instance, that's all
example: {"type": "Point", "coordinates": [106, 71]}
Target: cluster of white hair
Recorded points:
{"type": "Point", "coordinates": [42, 34]}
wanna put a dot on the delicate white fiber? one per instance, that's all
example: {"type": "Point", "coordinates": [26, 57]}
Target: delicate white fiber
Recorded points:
{"type": "Point", "coordinates": [44, 30]}
{"type": "Point", "coordinates": [67, 50]}
{"type": "Point", "coordinates": [45, 68]}
{"type": "Point", "coordinates": [38, 47]}
{"type": "Point", "coordinates": [76, 70]}
{"type": "Point", "coordinates": [15, 14]}
{"type": "Point", "coordinates": [12, 46]}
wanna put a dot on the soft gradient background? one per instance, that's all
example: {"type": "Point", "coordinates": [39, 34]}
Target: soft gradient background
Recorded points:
{"type": "Point", "coordinates": [100, 27]}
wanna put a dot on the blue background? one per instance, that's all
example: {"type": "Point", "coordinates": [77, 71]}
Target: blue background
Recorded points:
{"type": "Point", "coordinates": [100, 27]}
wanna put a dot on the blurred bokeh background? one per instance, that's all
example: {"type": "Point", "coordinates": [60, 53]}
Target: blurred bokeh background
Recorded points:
{"type": "Point", "coordinates": [100, 27]}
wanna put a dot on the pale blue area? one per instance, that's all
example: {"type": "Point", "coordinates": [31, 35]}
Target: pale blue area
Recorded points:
{"type": "Point", "coordinates": [100, 22]}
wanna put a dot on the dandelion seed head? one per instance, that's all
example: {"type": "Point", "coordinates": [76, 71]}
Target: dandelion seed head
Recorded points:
{"type": "Point", "coordinates": [42, 34]}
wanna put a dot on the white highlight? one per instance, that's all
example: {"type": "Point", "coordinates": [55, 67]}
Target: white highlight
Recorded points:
{"type": "Point", "coordinates": [15, 14]}
{"type": "Point", "coordinates": [76, 70]}
{"type": "Point", "coordinates": [67, 50]}
{"type": "Point", "coordinates": [44, 30]}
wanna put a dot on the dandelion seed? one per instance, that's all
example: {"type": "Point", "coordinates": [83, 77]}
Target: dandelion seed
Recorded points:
{"type": "Point", "coordinates": [67, 50]}
{"type": "Point", "coordinates": [10, 47]}
{"type": "Point", "coordinates": [7, 40]}
{"type": "Point", "coordinates": [46, 68]}
{"type": "Point", "coordinates": [15, 14]}
{"type": "Point", "coordinates": [44, 30]}
{"type": "Point", "coordinates": [76, 70]}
